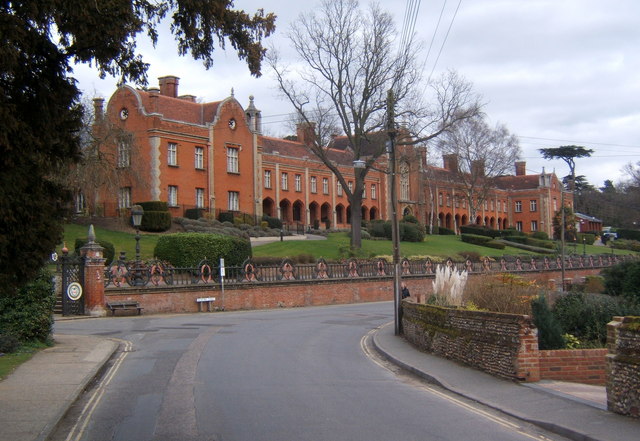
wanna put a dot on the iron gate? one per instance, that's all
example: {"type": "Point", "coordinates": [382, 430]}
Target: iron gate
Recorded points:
{"type": "Point", "coordinates": [72, 285]}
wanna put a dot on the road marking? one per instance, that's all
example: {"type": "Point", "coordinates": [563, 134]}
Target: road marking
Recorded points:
{"type": "Point", "coordinates": [77, 431]}
{"type": "Point", "coordinates": [373, 356]}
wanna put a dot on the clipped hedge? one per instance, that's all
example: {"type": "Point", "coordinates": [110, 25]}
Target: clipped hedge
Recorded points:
{"type": "Point", "coordinates": [154, 205]}
{"type": "Point", "coordinates": [273, 222]}
{"type": "Point", "coordinates": [188, 249]}
{"type": "Point", "coordinates": [484, 241]}
{"type": "Point", "coordinates": [589, 238]}
{"type": "Point", "coordinates": [194, 213]}
{"type": "Point", "coordinates": [109, 250]}
{"type": "Point", "coordinates": [443, 231]}
{"type": "Point", "coordinates": [624, 233]}
{"type": "Point", "coordinates": [28, 315]}
{"type": "Point", "coordinates": [525, 240]}
{"type": "Point", "coordinates": [411, 232]}
{"type": "Point", "coordinates": [479, 230]}
{"type": "Point", "coordinates": [156, 221]}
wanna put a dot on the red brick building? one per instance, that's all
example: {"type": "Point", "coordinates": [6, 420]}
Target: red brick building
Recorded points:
{"type": "Point", "coordinates": [213, 156]}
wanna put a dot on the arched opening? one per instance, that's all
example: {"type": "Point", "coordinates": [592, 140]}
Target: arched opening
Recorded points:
{"type": "Point", "coordinates": [286, 213]}
{"type": "Point", "coordinates": [457, 219]}
{"type": "Point", "coordinates": [269, 207]}
{"type": "Point", "coordinates": [325, 213]}
{"type": "Point", "coordinates": [478, 220]}
{"type": "Point", "coordinates": [314, 213]}
{"type": "Point", "coordinates": [407, 211]}
{"type": "Point", "coordinates": [298, 210]}
{"type": "Point", "coordinates": [340, 214]}
{"type": "Point", "coordinates": [464, 220]}
{"type": "Point", "coordinates": [349, 214]}
{"type": "Point", "coordinates": [373, 213]}
{"type": "Point", "coordinates": [441, 219]}
{"type": "Point", "coordinates": [365, 213]}
{"type": "Point", "coordinates": [448, 221]}
{"type": "Point", "coordinates": [492, 222]}
{"type": "Point", "coordinates": [486, 221]}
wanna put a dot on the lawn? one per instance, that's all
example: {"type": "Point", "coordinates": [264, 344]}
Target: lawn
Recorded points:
{"type": "Point", "coordinates": [8, 362]}
{"type": "Point", "coordinates": [436, 246]}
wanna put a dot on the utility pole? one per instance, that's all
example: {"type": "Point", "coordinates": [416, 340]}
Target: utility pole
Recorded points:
{"type": "Point", "coordinates": [395, 231]}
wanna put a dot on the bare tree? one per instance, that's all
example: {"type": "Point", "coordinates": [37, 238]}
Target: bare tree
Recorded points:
{"type": "Point", "coordinates": [348, 63]}
{"type": "Point", "coordinates": [481, 154]}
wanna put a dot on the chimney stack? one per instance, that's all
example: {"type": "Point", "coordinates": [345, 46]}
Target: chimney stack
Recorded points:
{"type": "Point", "coordinates": [306, 133]}
{"type": "Point", "coordinates": [450, 162]}
{"type": "Point", "coordinates": [97, 108]}
{"type": "Point", "coordinates": [521, 168]}
{"type": "Point", "coordinates": [169, 86]}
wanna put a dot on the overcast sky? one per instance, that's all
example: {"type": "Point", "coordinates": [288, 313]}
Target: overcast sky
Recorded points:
{"type": "Point", "coordinates": [555, 72]}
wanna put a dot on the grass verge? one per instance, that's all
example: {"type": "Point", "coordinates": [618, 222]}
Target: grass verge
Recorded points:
{"type": "Point", "coordinates": [9, 362]}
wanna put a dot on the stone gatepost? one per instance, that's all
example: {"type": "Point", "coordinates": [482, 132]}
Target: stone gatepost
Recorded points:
{"type": "Point", "coordinates": [94, 301]}
{"type": "Point", "coordinates": [623, 366]}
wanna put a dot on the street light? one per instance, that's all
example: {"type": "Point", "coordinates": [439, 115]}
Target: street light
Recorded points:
{"type": "Point", "coordinates": [136, 218]}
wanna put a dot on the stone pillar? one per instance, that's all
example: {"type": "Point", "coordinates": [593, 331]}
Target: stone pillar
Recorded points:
{"type": "Point", "coordinates": [623, 366]}
{"type": "Point", "coordinates": [94, 301]}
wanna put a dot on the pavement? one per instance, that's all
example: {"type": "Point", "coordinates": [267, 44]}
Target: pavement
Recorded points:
{"type": "Point", "coordinates": [35, 397]}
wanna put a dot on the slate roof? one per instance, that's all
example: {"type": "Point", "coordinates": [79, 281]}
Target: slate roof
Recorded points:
{"type": "Point", "coordinates": [179, 109]}
{"type": "Point", "coordinates": [298, 150]}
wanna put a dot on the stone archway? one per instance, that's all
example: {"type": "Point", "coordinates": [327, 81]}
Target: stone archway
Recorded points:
{"type": "Point", "coordinates": [269, 207]}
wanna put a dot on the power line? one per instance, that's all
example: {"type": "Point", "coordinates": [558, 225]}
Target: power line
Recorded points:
{"type": "Point", "coordinates": [435, 31]}
{"type": "Point", "coordinates": [445, 39]}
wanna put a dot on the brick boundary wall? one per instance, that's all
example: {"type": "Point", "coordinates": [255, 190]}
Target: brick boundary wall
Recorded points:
{"type": "Point", "coordinates": [623, 366]}
{"type": "Point", "coordinates": [505, 345]}
{"type": "Point", "coordinates": [586, 366]}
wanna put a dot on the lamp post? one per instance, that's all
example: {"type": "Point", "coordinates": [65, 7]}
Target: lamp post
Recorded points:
{"type": "Point", "coordinates": [395, 233]}
{"type": "Point", "coordinates": [584, 246]}
{"type": "Point", "coordinates": [136, 218]}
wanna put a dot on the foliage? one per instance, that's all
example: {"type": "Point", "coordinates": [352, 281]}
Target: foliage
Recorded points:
{"type": "Point", "coordinates": [225, 216]}
{"type": "Point", "coordinates": [623, 279]}
{"type": "Point", "coordinates": [549, 329]}
{"type": "Point", "coordinates": [40, 114]}
{"type": "Point", "coordinates": [505, 293]}
{"type": "Point", "coordinates": [410, 218]}
{"type": "Point", "coordinates": [411, 232]}
{"type": "Point", "coordinates": [448, 286]}
{"type": "Point", "coordinates": [156, 221]}
{"type": "Point", "coordinates": [625, 244]}
{"type": "Point", "coordinates": [273, 222]}
{"type": "Point", "coordinates": [542, 235]}
{"type": "Point", "coordinates": [188, 249]}
{"type": "Point", "coordinates": [568, 153]}
{"type": "Point", "coordinates": [569, 224]}
{"type": "Point", "coordinates": [624, 233]}
{"type": "Point", "coordinates": [8, 343]}
{"type": "Point", "coordinates": [154, 206]}
{"type": "Point", "coordinates": [443, 231]}
{"type": "Point", "coordinates": [532, 242]}
{"type": "Point", "coordinates": [108, 253]}
{"type": "Point", "coordinates": [28, 316]}
{"type": "Point", "coordinates": [480, 230]}
{"type": "Point", "coordinates": [586, 315]}
{"type": "Point", "coordinates": [571, 341]}
{"type": "Point", "coordinates": [193, 213]}
{"type": "Point", "coordinates": [587, 238]}
{"type": "Point", "coordinates": [475, 239]}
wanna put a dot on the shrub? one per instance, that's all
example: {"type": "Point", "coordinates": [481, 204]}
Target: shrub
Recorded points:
{"type": "Point", "coordinates": [154, 206]}
{"type": "Point", "coordinates": [376, 228]}
{"type": "Point", "coordinates": [410, 219]}
{"type": "Point", "coordinates": [194, 213]}
{"type": "Point", "coordinates": [8, 343]}
{"type": "Point", "coordinates": [188, 249]}
{"type": "Point", "coordinates": [109, 250]}
{"type": "Point", "coordinates": [475, 239]}
{"type": "Point", "coordinates": [156, 221]}
{"type": "Point", "coordinates": [410, 232]}
{"type": "Point", "coordinates": [549, 329]}
{"type": "Point", "coordinates": [28, 315]}
{"type": "Point", "coordinates": [506, 293]}
{"type": "Point", "coordinates": [445, 231]}
{"type": "Point", "coordinates": [589, 239]}
{"type": "Point", "coordinates": [495, 244]}
{"type": "Point", "coordinates": [273, 222]}
{"type": "Point", "coordinates": [624, 233]}
{"type": "Point", "coordinates": [225, 216]}
{"type": "Point", "coordinates": [479, 230]}
{"type": "Point", "coordinates": [586, 315]}
{"type": "Point", "coordinates": [540, 235]}
{"type": "Point", "coordinates": [623, 279]}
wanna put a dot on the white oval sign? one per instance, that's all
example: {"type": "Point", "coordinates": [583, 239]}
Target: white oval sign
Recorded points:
{"type": "Point", "coordinates": [74, 291]}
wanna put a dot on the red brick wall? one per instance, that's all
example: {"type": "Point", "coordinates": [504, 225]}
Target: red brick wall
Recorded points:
{"type": "Point", "coordinates": [576, 365]}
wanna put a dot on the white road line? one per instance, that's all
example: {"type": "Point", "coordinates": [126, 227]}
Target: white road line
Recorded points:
{"type": "Point", "coordinates": [77, 431]}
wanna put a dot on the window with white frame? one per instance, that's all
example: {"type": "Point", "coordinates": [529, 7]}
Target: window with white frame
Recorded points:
{"type": "Point", "coordinates": [267, 179]}
{"type": "Point", "coordinates": [339, 189]}
{"type": "Point", "coordinates": [519, 225]}
{"type": "Point", "coordinates": [518, 207]}
{"type": "Point", "coordinates": [172, 196]}
{"type": "Point", "coordinates": [234, 201]}
{"type": "Point", "coordinates": [555, 205]}
{"type": "Point", "coordinates": [533, 205]}
{"type": "Point", "coordinates": [314, 184]}
{"type": "Point", "coordinates": [298, 182]}
{"type": "Point", "coordinates": [440, 201]}
{"type": "Point", "coordinates": [199, 158]}
{"type": "Point", "coordinates": [172, 154]}
{"type": "Point", "coordinates": [232, 160]}
{"type": "Point", "coordinates": [498, 206]}
{"type": "Point", "coordinates": [350, 184]}
{"type": "Point", "coordinates": [124, 155]}
{"type": "Point", "coordinates": [534, 225]}
{"type": "Point", "coordinates": [504, 206]}
{"type": "Point", "coordinates": [404, 186]}
{"type": "Point", "coordinates": [374, 193]}
{"type": "Point", "coordinates": [285, 181]}
{"type": "Point", "coordinates": [364, 191]}
{"type": "Point", "coordinates": [325, 185]}
{"type": "Point", "coordinates": [448, 200]}
{"type": "Point", "coordinates": [199, 197]}
{"type": "Point", "coordinates": [124, 197]}
{"type": "Point", "coordinates": [486, 205]}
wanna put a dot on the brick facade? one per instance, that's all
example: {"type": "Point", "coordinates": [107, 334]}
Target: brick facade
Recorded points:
{"type": "Point", "coordinates": [214, 156]}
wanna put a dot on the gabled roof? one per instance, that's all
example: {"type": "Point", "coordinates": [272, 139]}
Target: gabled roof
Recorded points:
{"type": "Point", "coordinates": [298, 150]}
{"type": "Point", "coordinates": [179, 109]}
{"type": "Point", "coordinates": [525, 182]}
{"type": "Point", "coordinates": [370, 145]}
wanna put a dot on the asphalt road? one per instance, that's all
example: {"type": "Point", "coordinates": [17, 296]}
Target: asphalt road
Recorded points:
{"type": "Point", "coordinates": [295, 374]}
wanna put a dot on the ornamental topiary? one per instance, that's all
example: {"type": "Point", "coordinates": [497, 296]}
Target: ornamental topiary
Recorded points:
{"type": "Point", "coordinates": [188, 249]}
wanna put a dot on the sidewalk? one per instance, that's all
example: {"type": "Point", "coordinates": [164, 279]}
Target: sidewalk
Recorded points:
{"type": "Point", "coordinates": [35, 397]}
{"type": "Point", "coordinates": [569, 409]}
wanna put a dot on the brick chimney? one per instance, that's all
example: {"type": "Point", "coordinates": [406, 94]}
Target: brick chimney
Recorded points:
{"type": "Point", "coordinates": [169, 86]}
{"type": "Point", "coordinates": [521, 168]}
{"type": "Point", "coordinates": [97, 108]}
{"type": "Point", "coordinates": [450, 162]}
{"type": "Point", "coordinates": [477, 167]}
{"type": "Point", "coordinates": [306, 133]}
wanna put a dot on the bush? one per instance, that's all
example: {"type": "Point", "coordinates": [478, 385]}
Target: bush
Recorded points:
{"type": "Point", "coordinates": [541, 235]}
{"type": "Point", "coordinates": [479, 230]}
{"type": "Point", "coordinates": [273, 222]}
{"type": "Point", "coordinates": [8, 343]}
{"type": "Point", "coordinates": [589, 239]}
{"type": "Point", "coordinates": [410, 219]}
{"type": "Point", "coordinates": [446, 231]}
{"type": "Point", "coordinates": [109, 250]}
{"type": "Point", "coordinates": [475, 239]}
{"type": "Point", "coordinates": [188, 249]}
{"type": "Point", "coordinates": [623, 279]}
{"type": "Point", "coordinates": [156, 221]}
{"type": "Point", "coordinates": [376, 228]}
{"type": "Point", "coordinates": [624, 233]}
{"type": "Point", "coordinates": [504, 293]}
{"type": "Point", "coordinates": [410, 232]}
{"type": "Point", "coordinates": [28, 315]}
{"type": "Point", "coordinates": [225, 216]}
{"type": "Point", "coordinates": [525, 240]}
{"type": "Point", "coordinates": [549, 329]}
{"type": "Point", "coordinates": [154, 206]}
{"type": "Point", "coordinates": [194, 213]}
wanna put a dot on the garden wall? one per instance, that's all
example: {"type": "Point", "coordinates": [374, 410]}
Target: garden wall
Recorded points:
{"type": "Point", "coordinates": [586, 366]}
{"type": "Point", "coordinates": [505, 345]}
{"type": "Point", "coordinates": [623, 366]}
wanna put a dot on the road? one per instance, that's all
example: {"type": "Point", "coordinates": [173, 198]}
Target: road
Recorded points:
{"type": "Point", "coordinates": [278, 375]}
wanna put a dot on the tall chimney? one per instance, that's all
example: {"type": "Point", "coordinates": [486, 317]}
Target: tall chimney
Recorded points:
{"type": "Point", "coordinates": [306, 133]}
{"type": "Point", "coordinates": [477, 167]}
{"type": "Point", "coordinates": [169, 86]}
{"type": "Point", "coordinates": [450, 162]}
{"type": "Point", "coordinates": [97, 108]}
{"type": "Point", "coordinates": [521, 168]}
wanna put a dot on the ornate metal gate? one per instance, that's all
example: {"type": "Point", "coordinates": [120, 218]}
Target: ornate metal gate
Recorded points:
{"type": "Point", "coordinates": [72, 285]}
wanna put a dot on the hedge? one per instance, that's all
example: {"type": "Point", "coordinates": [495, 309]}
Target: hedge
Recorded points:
{"type": "Point", "coordinates": [188, 249]}
{"type": "Point", "coordinates": [480, 230]}
{"type": "Point", "coordinates": [446, 231]}
{"type": "Point", "coordinates": [273, 222]}
{"type": "Point", "coordinates": [484, 241]}
{"type": "Point", "coordinates": [624, 233]}
{"type": "Point", "coordinates": [156, 221]}
{"type": "Point", "coordinates": [109, 250]}
{"type": "Point", "coordinates": [525, 240]}
{"type": "Point", "coordinates": [194, 213]}
{"type": "Point", "coordinates": [154, 206]}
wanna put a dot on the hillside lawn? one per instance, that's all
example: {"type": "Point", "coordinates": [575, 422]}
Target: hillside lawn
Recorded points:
{"type": "Point", "coordinates": [433, 246]}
